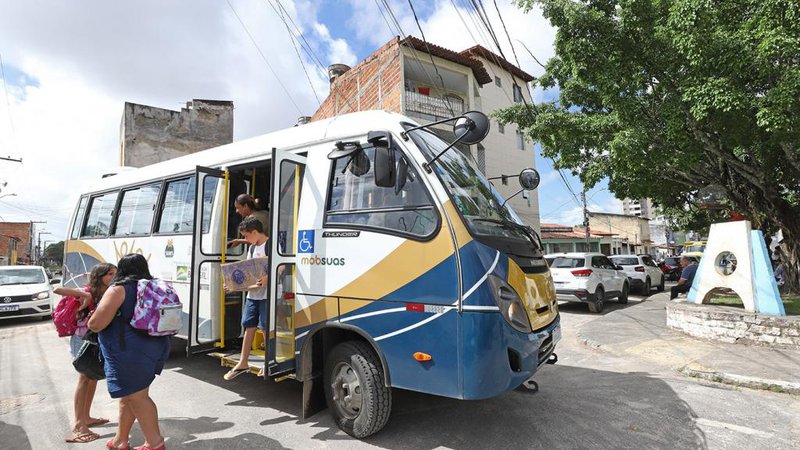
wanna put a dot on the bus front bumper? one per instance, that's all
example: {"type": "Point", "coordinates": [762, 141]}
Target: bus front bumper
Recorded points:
{"type": "Point", "coordinates": [502, 358]}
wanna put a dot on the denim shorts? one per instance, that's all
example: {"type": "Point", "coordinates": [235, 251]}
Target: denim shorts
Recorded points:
{"type": "Point", "coordinates": [254, 314]}
{"type": "Point", "coordinates": [75, 344]}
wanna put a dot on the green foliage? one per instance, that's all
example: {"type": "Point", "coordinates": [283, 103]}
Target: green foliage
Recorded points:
{"type": "Point", "coordinates": [55, 252]}
{"type": "Point", "coordinates": [665, 97]}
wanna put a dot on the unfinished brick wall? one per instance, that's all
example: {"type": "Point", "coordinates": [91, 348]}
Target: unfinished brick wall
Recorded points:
{"type": "Point", "coordinates": [19, 232]}
{"type": "Point", "coordinates": [373, 84]}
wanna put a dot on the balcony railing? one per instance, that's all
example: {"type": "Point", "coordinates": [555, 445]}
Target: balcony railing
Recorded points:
{"type": "Point", "coordinates": [432, 107]}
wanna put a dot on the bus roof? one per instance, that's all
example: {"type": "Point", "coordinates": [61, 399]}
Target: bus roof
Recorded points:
{"type": "Point", "coordinates": [253, 148]}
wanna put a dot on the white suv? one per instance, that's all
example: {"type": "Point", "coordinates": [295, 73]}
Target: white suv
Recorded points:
{"type": "Point", "coordinates": [643, 273]}
{"type": "Point", "coordinates": [589, 278]}
{"type": "Point", "coordinates": [25, 292]}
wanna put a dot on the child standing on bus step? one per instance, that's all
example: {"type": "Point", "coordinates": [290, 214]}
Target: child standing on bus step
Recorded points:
{"type": "Point", "coordinates": [247, 206]}
{"type": "Point", "coordinates": [254, 313]}
{"type": "Point", "coordinates": [99, 280]}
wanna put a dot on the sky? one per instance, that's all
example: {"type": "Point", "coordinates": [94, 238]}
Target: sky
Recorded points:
{"type": "Point", "coordinates": [69, 67]}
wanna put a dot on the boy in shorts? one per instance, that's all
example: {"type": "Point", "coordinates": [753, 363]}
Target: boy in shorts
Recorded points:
{"type": "Point", "coordinates": [254, 313]}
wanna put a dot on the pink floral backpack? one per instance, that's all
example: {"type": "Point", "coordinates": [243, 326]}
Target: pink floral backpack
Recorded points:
{"type": "Point", "coordinates": [158, 309]}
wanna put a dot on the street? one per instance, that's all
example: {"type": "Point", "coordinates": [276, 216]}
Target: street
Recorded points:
{"type": "Point", "coordinates": [589, 399]}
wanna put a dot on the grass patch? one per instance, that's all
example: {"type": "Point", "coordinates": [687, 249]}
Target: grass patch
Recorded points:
{"type": "Point", "coordinates": [791, 303]}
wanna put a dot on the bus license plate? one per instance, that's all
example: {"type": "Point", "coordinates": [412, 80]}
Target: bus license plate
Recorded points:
{"type": "Point", "coordinates": [9, 308]}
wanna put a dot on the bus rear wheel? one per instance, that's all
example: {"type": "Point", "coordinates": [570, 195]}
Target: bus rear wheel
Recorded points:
{"type": "Point", "coordinates": [355, 389]}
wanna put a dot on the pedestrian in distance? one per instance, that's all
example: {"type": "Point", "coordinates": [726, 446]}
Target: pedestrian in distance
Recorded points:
{"type": "Point", "coordinates": [687, 277]}
{"type": "Point", "coordinates": [132, 358]}
{"type": "Point", "coordinates": [100, 279]}
{"type": "Point", "coordinates": [254, 313]}
{"type": "Point", "coordinates": [247, 206]}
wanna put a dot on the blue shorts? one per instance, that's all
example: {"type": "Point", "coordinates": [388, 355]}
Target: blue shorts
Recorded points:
{"type": "Point", "coordinates": [75, 344]}
{"type": "Point", "coordinates": [254, 314]}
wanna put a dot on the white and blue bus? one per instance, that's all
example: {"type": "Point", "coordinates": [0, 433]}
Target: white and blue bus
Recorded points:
{"type": "Point", "coordinates": [394, 262]}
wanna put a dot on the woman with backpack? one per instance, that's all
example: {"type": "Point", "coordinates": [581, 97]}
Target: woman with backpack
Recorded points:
{"type": "Point", "coordinates": [99, 280]}
{"type": "Point", "coordinates": [132, 358]}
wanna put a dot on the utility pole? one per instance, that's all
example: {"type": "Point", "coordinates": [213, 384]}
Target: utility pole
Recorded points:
{"type": "Point", "coordinates": [585, 218]}
{"type": "Point", "coordinates": [39, 245]}
{"type": "Point", "coordinates": [32, 257]}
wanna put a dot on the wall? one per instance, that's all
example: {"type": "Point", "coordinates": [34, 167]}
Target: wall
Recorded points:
{"type": "Point", "coordinates": [21, 231]}
{"type": "Point", "coordinates": [149, 135]}
{"type": "Point", "coordinates": [635, 229]}
{"type": "Point", "coordinates": [375, 83]}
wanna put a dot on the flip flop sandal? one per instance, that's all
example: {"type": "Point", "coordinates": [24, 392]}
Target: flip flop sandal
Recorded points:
{"type": "Point", "coordinates": [110, 446]}
{"type": "Point", "coordinates": [163, 446]}
{"type": "Point", "coordinates": [82, 438]}
{"type": "Point", "coordinates": [233, 373]}
{"type": "Point", "coordinates": [261, 373]}
{"type": "Point", "coordinates": [98, 422]}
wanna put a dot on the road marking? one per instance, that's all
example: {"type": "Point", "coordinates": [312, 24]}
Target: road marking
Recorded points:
{"type": "Point", "coordinates": [729, 426]}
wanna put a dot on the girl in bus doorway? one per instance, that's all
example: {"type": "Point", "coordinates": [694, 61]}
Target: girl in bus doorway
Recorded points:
{"type": "Point", "coordinates": [254, 313]}
{"type": "Point", "coordinates": [99, 280]}
{"type": "Point", "coordinates": [247, 206]}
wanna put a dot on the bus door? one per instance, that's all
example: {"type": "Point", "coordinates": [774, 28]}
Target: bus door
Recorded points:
{"type": "Point", "coordinates": [288, 170]}
{"type": "Point", "coordinates": [208, 306]}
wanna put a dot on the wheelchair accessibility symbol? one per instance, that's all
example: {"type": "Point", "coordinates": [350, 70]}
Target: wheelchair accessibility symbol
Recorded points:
{"type": "Point", "coordinates": [305, 241]}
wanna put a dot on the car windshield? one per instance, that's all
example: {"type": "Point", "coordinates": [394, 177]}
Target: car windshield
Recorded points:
{"type": "Point", "coordinates": [479, 203]}
{"type": "Point", "coordinates": [695, 248]}
{"type": "Point", "coordinates": [567, 263]}
{"type": "Point", "coordinates": [21, 276]}
{"type": "Point", "coordinates": [625, 261]}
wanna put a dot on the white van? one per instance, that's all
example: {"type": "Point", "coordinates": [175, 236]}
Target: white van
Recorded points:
{"type": "Point", "coordinates": [394, 263]}
{"type": "Point", "coordinates": [25, 291]}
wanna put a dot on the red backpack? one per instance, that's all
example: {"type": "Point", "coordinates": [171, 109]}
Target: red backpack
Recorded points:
{"type": "Point", "coordinates": [65, 316]}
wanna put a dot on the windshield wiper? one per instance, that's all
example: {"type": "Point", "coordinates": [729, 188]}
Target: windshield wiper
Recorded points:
{"type": "Point", "coordinates": [526, 230]}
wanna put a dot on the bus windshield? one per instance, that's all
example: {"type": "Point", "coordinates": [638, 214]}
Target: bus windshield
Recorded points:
{"type": "Point", "coordinates": [477, 200]}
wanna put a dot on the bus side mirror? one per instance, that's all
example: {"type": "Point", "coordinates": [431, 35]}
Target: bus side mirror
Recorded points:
{"type": "Point", "coordinates": [471, 128]}
{"type": "Point", "coordinates": [529, 179]}
{"type": "Point", "coordinates": [385, 168]}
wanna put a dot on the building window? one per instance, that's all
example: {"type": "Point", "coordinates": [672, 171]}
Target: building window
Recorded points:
{"type": "Point", "coordinates": [520, 140]}
{"type": "Point", "coordinates": [482, 158]}
{"type": "Point", "coordinates": [497, 82]}
{"type": "Point", "coordinates": [501, 128]}
{"type": "Point", "coordinates": [517, 93]}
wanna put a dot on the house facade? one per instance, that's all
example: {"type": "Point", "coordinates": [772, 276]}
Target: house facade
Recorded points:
{"type": "Point", "coordinates": [428, 83]}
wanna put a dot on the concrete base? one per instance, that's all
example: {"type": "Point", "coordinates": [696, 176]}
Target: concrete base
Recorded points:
{"type": "Point", "coordinates": [734, 325]}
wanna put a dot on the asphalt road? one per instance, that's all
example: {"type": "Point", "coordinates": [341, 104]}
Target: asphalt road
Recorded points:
{"type": "Point", "coordinates": [588, 400]}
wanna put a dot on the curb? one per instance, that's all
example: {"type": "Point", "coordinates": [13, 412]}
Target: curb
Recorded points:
{"type": "Point", "coordinates": [785, 387]}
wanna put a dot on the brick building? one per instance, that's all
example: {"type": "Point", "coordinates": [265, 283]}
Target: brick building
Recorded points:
{"type": "Point", "coordinates": [401, 77]}
{"type": "Point", "coordinates": [15, 242]}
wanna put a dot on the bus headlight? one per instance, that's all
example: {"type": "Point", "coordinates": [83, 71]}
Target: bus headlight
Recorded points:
{"type": "Point", "coordinates": [510, 305]}
{"type": "Point", "coordinates": [41, 295]}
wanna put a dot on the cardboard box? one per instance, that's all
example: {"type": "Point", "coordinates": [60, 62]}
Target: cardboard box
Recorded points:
{"type": "Point", "coordinates": [240, 275]}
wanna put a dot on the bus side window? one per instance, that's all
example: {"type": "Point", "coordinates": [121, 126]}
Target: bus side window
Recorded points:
{"type": "Point", "coordinates": [355, 201]}
{"type": "Point", "coordinates": [136, 210]}
{"type": "Point", "coordinates": [101, 212]}
{"type": "Point", "coordinates": [177, 212]}
{"type": "Point", "coordinates": [79, 215]}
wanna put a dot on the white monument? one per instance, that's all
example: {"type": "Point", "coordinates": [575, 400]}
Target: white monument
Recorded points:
{"type": "Point", "coordinates": [736, 258]}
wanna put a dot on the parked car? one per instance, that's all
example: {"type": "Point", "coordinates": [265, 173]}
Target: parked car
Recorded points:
{"type": "Point", "coordinates": [589, 278]}
{"type": "Point", "coordinates": [642, 272]}
{"type": "Point", "coordinates": [25, 292]}
{"type": "Point", "coordinates": [671, 267]}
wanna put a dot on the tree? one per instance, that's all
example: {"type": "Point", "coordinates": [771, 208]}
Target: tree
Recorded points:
{"type": "Point", "coordinates": [667, 97]}
{"type": "Point", "coordinates": [55, 252]}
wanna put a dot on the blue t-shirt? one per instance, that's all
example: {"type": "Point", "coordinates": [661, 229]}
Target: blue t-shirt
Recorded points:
{"type": "Point", "coordinates": [688, 273]}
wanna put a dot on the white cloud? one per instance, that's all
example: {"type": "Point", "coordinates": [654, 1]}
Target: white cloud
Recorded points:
{"type": "Point", "coordinates": [89, 60]}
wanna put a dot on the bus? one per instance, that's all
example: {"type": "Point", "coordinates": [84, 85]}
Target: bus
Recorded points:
{"type": "Point", "coordinates": [694, 248]}
{"type": "Point", "coordinates": [394, 263]}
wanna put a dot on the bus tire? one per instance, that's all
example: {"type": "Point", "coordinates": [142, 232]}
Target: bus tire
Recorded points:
{"type": "Point", "coordinates": [355, 389]}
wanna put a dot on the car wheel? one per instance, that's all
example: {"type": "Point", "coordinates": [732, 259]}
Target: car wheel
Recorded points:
{"type": "Point", "coordinates": [355, 389]}
{"type": "Point", "coordinates": [660, 287]}
{"type": "Point", "coordinates": [623, 297]}
{"type": "Point", "coordinates": [646, 287]}
{"type": "Point", "coordinates": [597, 305]}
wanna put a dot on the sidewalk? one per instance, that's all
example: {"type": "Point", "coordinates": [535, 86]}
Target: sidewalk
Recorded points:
{"type": "Point", "coordinates": [640, 331]}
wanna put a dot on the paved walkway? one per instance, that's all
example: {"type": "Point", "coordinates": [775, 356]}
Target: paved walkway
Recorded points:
{"type": "Point", "coordinates": [640, 330]}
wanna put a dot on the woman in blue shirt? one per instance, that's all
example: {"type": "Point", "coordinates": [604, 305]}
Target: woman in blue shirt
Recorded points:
{"type": "Point", "coordinates": [132, 358]}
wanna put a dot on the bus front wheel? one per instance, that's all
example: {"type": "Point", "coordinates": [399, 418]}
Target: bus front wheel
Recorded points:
{"type": "Point", "coordinates": [355, 389]}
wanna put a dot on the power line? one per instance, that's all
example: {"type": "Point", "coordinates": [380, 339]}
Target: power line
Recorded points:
{"type": "Point", "coordinates": [300, 58]}
{"type": "Point", "coordinates": [8, 106]}
{"type": "Point", "coordinates": [427, 47]}
{"type": "Point", "coordinates": [255, 44]}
